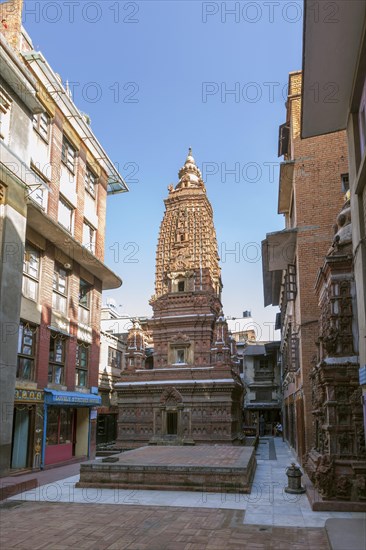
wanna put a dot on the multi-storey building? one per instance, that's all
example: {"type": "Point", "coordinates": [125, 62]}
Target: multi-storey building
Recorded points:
{"type": "Point", "coordinates": [113, 335]}
{"type": "Point", "coordinates": [337, 462]}
{"type": "Point", "coordinates": [261, 375]}
{"type": "Point", "coordinates": [59, 271]}
{"type": "Point", "coordinates": [340, 70]}
{"type": "Point", "coordinates": [313, 181]}
{"type": "Point", "coordinates": [242, 328]}
{"type": "Point", "coordinates": [18, 105]}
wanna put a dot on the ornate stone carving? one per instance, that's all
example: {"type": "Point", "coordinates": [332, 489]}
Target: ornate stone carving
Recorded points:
{"type": "Point", "coordinates": [324, 476]}
{"type": "Point", "coordinates": [171, 395]}
{"type": "Point", "coordinates": [339, 445]}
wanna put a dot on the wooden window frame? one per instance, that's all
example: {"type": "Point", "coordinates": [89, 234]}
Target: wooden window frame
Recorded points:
{"type": "Point", "coordinates": [53, 364]}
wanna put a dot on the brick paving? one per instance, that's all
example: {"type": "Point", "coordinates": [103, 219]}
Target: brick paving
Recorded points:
{"type": "Point", "coordinates": [14, 484]}
{"type": "Point", "coordinates": [60, 526]}
{"type": "Point", "coordinates": [223, 456]}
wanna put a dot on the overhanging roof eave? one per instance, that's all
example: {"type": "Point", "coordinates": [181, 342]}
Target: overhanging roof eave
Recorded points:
{"type": "Point", "coordinates": [43, 224]}
{"type": "Point", "coordinates": [272, 280]}
{"type": "Point", "coordinates": [330, 54]}
{"type": "Point", "coordinates": [285, 186]}
{"type": "Point", "coordinates": [18, 77]}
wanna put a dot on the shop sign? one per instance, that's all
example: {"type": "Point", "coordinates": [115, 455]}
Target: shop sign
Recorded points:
{"type": "Point", "coordinates": [28, 395]}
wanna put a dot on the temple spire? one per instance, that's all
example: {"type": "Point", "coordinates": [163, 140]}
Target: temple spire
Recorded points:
{"type": "Point", "coordinates": [189, 174]}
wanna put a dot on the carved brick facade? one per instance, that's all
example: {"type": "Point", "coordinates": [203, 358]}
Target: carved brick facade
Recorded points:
{"type": "Point", "coordinates": [337, 463]}
{"type": "Point", "coordinates": [193, 393]}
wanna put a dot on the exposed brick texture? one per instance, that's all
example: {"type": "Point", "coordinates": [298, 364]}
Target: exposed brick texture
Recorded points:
{"type": "Point", "coordinates": [317, 198]}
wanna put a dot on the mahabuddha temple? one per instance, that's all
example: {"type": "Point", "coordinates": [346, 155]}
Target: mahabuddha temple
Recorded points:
{"type": "Point", "coordinates": [191, 392]}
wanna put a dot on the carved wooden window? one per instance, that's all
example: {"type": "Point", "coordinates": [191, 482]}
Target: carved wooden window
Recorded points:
{"type": "Point", "coordinates": [283, 139]}
{"type": "Point", "coordinates": [290, 283]}
{"type": "Point", "coordinates": [26, 351]}
{"type": "Point", "coordinates": [82, 363]}
{"type": "Point", "coordinates": [85, 290]}
{"type": "Point", "coordinates": [57, 358]}
{"type": "Point", "coordinates": [294, 352]}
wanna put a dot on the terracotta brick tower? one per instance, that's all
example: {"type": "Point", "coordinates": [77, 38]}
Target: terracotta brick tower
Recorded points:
{"type": "Point", "coordinates": [193, 393]}
{"type": "Point", "coordinates": [188, 276]}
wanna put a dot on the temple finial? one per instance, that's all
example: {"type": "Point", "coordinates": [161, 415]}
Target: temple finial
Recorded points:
{"type": "Point", "coordinates": [190, 156]}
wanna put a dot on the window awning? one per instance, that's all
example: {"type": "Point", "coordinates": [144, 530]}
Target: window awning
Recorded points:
{"type": "Point", "coordinates": [281, 247]}
{"type": "Point", "coordinates": [285, 186]}
{"type": "Point", "coordinates": [278, 251]}
{"type": "Point", "coordinates": [69, 398]}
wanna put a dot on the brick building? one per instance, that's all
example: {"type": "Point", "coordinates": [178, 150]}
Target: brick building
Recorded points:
{"type": "Point", "coordinates": [113, 335]}
{"type": "Point", "coordinates": [52, 361]}
{"type": "Point", "coordinates": [261, 375]}
{"type": "Point", "coordinates": [343, 64]}
{"type": "Point", "coordinates": [313, 182]}
{"type": "Point", "coordinates": [191, 392]}
{"type": "Point", "coordinates": [15, 182]}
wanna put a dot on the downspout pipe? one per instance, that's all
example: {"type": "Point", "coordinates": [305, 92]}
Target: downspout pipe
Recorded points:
{"type": "Point", "coordinates": [44, 436]}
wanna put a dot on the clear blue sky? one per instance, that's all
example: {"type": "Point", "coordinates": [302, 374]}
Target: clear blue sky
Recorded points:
{"type": "Point", "coordinates": [168, 51]}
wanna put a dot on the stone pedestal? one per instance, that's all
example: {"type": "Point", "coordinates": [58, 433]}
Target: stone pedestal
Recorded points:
{"type": "Point", "coordinates": [203, 468]}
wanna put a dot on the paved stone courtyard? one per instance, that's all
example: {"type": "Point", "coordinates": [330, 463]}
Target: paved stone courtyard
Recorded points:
{"type": "Point", "coordinates": [102, 526]}
{"type": "Point", "coordinates": [225, 456]}
{"type": "Point", "coordinates": [59, 516]}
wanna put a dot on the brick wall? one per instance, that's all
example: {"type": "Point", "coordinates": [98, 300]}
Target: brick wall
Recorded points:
{"type": "Point", "coordinates": [318, 198]}
{"type": "Point", "coordinates": [55, 160]}
{"type": "Point", "coordinates": [45, 299]}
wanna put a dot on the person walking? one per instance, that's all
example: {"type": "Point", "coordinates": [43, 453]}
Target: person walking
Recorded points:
{"type": "Point", "coordinates": [278, 429]}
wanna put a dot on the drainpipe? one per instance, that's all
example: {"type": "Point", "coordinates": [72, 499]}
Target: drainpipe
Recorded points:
{"type": "Point", "coordinates": [89, 432]}
{"type": "Point", "coordinates": [44, 436]}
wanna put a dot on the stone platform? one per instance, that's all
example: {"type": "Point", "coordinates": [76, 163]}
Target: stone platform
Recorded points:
{"type": "Point", "coordinates": [209, 468]}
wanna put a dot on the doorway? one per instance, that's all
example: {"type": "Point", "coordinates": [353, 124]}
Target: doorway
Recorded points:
{"type": "Point", "coordinates": [172, 423]}
{"type": "Point", "coordinates": [19, 458]}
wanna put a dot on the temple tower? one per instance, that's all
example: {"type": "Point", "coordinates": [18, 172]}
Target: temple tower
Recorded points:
{"type": "Point", "coordinates": [188, 276]}
{"type": "Point", "coordinates": [193, 394]}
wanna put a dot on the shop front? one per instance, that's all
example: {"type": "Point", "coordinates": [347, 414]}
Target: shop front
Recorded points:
{"type": "Point", "coordinates": [107, 426]}
{"type": "Point", "coordinates": [27, 429]}
{"type": "Point", "coordinates": [263, 416]}
{"type": "Point", "coordinates": [68, 425]}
